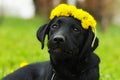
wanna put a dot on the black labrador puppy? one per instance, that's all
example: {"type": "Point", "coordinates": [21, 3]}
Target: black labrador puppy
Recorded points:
{"type": "Point", "coordinates": [71, 53]}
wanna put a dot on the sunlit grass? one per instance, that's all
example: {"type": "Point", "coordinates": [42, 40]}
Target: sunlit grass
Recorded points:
{"type": "Point", "coordinates": [108, 51]}
{"type": "Point", "coordinates": [18, 43]}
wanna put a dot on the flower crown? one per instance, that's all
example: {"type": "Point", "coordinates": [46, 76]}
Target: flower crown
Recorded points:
{"type": "Point", "coordinates": [69, 10]}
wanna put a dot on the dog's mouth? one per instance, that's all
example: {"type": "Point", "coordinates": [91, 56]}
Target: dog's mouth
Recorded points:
{"type": "Point", "coordinates": [56, 50]}
{"type": "Point", "coordinates": [59, 50]}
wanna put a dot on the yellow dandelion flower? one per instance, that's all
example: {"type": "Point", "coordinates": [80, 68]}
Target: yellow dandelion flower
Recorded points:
{"type": "Point", "coordinates": [86, 19]}
{"type": "Point", "coordinates": [23, 64]}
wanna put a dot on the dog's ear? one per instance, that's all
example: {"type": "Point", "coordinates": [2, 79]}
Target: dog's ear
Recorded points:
{"type": "Point", "coordinates": [41, 33]}
{"type": "Point", "coordinates": [91, 42]}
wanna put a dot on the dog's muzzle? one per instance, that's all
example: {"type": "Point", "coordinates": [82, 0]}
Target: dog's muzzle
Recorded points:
{"type": "Point", "coordinates": [57, 44]}
{"type": "Point", "coordinates": [58, 39]}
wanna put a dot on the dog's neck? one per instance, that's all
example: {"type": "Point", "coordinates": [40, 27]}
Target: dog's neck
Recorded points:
{"type": "Point", "coordinates": [69, 68]}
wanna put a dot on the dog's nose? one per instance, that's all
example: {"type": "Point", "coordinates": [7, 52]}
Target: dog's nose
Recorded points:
{"type": "Point", "coordinates": [59, 39]}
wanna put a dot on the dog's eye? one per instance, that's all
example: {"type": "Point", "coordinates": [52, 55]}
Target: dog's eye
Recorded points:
{"type": "Point", "coordinates": [55, 26]}
{"type": "Point", "coordinates": [76, 29]}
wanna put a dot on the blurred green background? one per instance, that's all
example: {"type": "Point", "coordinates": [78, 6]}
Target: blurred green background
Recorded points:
{"type": "Point", "coordinates": [18, 44]}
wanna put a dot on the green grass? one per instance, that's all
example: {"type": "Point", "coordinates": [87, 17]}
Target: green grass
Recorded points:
{"type": "Point", "coordinates": [18, 43]}
{"type": "Point", "coordinates": [108, 51]}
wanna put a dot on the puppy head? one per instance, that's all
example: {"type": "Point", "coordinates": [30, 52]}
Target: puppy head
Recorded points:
{"type": "Point", "coordinates": [66, 36]}
{"type": "Point", "coordinates": [69, 35]}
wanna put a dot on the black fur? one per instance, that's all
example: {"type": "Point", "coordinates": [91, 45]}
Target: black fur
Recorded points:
{"type": "Point", "coordinates": [71, 53]}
